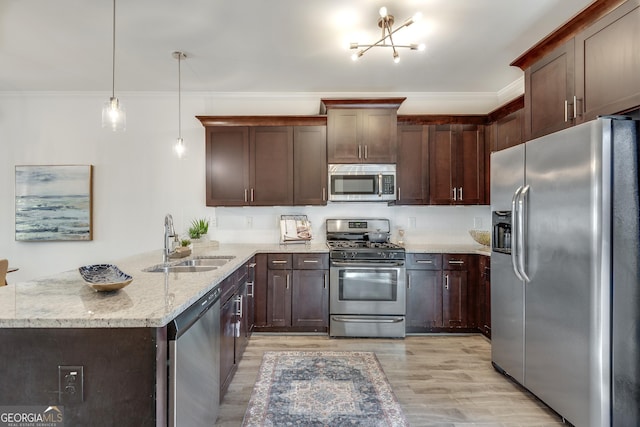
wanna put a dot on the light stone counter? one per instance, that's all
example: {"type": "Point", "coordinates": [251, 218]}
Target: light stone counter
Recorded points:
{"type": "Point", "coordinates": [151, 300]}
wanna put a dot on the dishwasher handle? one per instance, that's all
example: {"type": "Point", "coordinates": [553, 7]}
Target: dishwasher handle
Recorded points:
{"type": "Point", "coordinates": [191, 315]}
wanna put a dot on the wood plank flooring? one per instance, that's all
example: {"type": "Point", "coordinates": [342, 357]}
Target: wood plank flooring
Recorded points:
{"type": "Point", "coordinates": [439, 380]}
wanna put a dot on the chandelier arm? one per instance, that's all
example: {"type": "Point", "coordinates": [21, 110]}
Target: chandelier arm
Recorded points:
{"type": "Point", "coordinates": [386, 23]}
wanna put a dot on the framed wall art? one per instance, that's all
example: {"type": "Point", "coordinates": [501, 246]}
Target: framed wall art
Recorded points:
{"type": "Point", "coordinates": [54, 203]}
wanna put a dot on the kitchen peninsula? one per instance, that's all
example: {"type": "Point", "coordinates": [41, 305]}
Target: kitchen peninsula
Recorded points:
{"type": "Point", "coordinates": [119, 338]}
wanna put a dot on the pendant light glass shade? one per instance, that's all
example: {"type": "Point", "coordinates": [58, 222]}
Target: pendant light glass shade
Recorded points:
{"type": "Point", "coordinates": [114, 116]}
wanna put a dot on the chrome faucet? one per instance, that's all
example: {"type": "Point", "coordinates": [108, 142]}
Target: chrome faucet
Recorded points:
{"type": "Point", "coordinates": [169, 232]}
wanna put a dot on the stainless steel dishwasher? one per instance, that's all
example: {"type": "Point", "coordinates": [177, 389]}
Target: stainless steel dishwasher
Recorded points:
{"type": "Point", "coordinates": [194, 360]}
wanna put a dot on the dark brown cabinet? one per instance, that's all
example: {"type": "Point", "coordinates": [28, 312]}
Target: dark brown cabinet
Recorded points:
{"type": "Point", "coordinates": [456, 301]}
{"type": "Point", "coordinates": [412, 166]}
{"type": "Point", "coordinates": [249, 166]}
{"type": "Point", "coordinates": [266, 165]}
{"type": "Point", "coordinates": [361, 135]}
{"type": "Point", "coordinates": [236, 314]}
{"type": "Point", "coordinates": [456, 165]}
{"type": "Point", "coordinates": [549, 92]}
{"type": "Point", "coordinates": [310, 165]}
{"type": "Point", "coordinates": [439, 297]}
{"type": "Point", "coordinates": [424, 292]}
{"type": "Point", "coordinates": [508, 131]}
{"type": "Point", "coordinates": [297, 293]}
{"type": "Point", "coordinates": [607, 56]}
{"type": "Point", "coordinates": [484, 295]}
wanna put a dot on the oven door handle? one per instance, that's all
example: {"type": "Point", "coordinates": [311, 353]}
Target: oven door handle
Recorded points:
{"type": "Point", "coordinates": [397, 319]}
{"type": "Point", "coordinates": [378, 263]}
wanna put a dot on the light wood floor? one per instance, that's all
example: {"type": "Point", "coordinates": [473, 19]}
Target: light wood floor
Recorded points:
{"type": "Point", "coordinates": [439, 380]}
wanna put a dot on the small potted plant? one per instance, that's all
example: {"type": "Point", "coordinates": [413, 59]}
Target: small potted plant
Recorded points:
{"type": "Point", "coordinates": [199, 229]}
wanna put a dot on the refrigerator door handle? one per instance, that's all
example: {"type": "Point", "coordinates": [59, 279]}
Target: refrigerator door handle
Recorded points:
{"type": "Point", "coordinates": [515, 238]}
{"type": "Point", "coordinates": [522, 232]}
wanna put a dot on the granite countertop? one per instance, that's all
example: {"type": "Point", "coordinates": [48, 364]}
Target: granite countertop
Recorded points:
{"type": "Point", "coordinates": [151, 300]}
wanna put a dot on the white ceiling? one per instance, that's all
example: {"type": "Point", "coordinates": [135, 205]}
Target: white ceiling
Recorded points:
{"type": "Point", "coordinates": [268, 45]}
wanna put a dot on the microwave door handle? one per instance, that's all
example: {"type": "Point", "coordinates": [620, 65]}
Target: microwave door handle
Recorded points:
{"type": "Point", "coordinates": [379, 185]}
{"type": "Point", "coordinates": [515, 238]}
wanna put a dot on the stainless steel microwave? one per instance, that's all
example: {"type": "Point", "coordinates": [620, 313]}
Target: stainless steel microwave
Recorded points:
{"type": "Point", "coordinates": [362, 182]}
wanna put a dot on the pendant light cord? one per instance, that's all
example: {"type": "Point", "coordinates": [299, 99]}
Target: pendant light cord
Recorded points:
{"type": "Point", "coordinates": [179, 97]}
{"type": "Point", "coordinates": [113, 55]}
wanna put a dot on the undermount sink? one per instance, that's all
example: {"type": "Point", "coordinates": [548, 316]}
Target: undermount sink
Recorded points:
{"type": "Point", "coordinates": [195, 265]}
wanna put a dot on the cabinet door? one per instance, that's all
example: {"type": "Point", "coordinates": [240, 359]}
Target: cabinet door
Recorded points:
{"type": "Point", "coordinates": [310, 300]}
{"type": "Point", "coordinates": [442, 152]}
{"type": "Point", "coordinates": [378, 136]}
{"type": "Point", "coordinates": [227, 166]}
{"type": "Point", "coordinates": [424, 300]}
{"type": "Point", "coordinates": [608, 63]}
{"type": "Point", "coordinates": [279, 298]}
{"type": "Point", "coordinates": [454, 299]}
{"type": "Point", "coordinates": [271, 166]}
{"type": "Point", "coordinates": [227, 343]}
{"type": "Point", "coordinates": [242, 334]}
{"type": "Point", "coordinates": [310, 165]}
{"type": "Point", "coordinates": [509, 131]}
{"type": "Point", "coordinates": [260, 291]}
{"type": "Point", "coordinates": [362, 135]}
{"type": "Point", "coordinates": [469, 177]}
{"type": "Point", "coordinates": [412, 165]}
{"type": "Point", "coordinates": [549, 91]}
{"type": "Point", "coordinates": [342, 136]}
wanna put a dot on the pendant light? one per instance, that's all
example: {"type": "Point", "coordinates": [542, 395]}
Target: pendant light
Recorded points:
{"type": "Point", "coordinates": [113, 113]}
{"type": "Point", "coordinates": [179, 147]}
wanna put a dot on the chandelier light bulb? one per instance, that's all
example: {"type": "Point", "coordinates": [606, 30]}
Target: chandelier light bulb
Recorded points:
{"type": "Point", "coordinates": [422, 47]}
{"type": "Point", "coordinates": [396, 57]}
{"type": "Point", "coordinates": [383, 12]}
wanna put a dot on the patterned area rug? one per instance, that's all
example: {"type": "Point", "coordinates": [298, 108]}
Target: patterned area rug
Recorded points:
{"type": "Point", "coordinates": [322, 388]}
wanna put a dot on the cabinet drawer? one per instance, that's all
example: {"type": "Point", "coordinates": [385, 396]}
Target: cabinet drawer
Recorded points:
{"type": "Point", "coordinates": [421, 261]}
{"type": "Point", "coordinates": [228, 287]}
{"type": "Point", "coordinates": [455, 262]}
{"type": "Point", "coordinates": [279, 261]}
{"type": "Point", "coordinates": [310, 261]}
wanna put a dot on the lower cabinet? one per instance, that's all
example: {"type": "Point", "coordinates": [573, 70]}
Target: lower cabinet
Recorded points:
{"type": "Point", "coordinates": [296, 295]}
{"type": "Point", "coordinates": [439, 298]}
{"type": "Point", "coordinates": [236, 310]}
{"type": "Point", "coordinates": [484, 295]}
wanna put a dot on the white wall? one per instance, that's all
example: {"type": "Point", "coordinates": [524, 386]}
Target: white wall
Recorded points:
{"type": "Point", "coordinates": [137, 178]}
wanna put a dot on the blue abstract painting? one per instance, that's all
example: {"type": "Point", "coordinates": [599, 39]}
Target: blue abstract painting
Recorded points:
{"type": "Point", "coordinates": [54, 202]}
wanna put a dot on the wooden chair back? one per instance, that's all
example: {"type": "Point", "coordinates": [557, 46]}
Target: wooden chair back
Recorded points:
{"type": "Point", "coordinates": [4, 266]}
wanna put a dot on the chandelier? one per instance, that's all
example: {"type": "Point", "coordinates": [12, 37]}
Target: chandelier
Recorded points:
{"type": "Point", "coordinates": [385, 22]}
{"type": "Point", "coordinates": [113, 112]}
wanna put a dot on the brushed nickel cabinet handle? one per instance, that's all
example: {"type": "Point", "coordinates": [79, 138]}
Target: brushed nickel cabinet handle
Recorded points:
{"type": "Point", "coordinates": [252, 195]}
{"type": "Point", "coordinates": [311, 261]}
{"type": "Point", "coordinates": [324, 194]}
{"type": "Point", "coordinates": [566, 110]}
{"type": "Point", "coordinates": [446, 281]}
{"type": "Point", "coordinates": [288, 280]}
{"type": "Point", "coordinates": [454, 194]}
{"type": "Point", "coordinates": [279, 261]}
{"type": "Point", "coordinates": [456, 261]}
{"type": "Point", "coordinates": [246, 198]}
{"type": "Point", "coordinates": [359, 151]}
{"type": "Point", "coordinates": [425, 261]}
{"type": "Point", "coordinates": [324, 280]}
{"type": "Point", "coordinates": [366, 152]}
{"type": "Point", "coordinates": [460, 194]}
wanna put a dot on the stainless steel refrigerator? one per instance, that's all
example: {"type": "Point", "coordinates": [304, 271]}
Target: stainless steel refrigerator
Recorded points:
{"type": "Point", "coordinates": [565, 282]}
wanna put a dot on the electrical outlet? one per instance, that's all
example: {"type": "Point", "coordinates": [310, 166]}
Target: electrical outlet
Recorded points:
{"type": "Point", "coordinates": [248, 221]}
{"type": "Point", "coordinates": [70, 384]}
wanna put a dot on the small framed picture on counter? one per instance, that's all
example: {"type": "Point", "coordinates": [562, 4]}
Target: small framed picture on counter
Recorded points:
{"type": "Point", "coordinates": [54, 202]}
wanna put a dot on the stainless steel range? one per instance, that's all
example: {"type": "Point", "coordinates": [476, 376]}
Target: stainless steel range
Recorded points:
{"type": "Point", "coordinates": [367, 291]}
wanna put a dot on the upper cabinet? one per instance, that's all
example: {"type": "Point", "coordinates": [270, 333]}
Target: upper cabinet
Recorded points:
{"type": "Point", "coordinates": [456, 165]}
{"type": "Point", "coordinates": [412, 167]}
{"type": "Point", "coordinates": [607, 78]}
{"type": "Point", "coordinates": [588, 67]}
{"type": "Point", "coordinates": [362, 131]}
{"type": "Point", "coordinates": [271, 165]}
{"type": "Point", "coordinates": [549, 93]}
{"type": "Point", "coordinates": [310, 165]}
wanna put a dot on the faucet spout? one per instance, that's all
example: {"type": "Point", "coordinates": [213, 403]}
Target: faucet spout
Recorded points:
{"type": "Point", "coordinates": [169, 232]}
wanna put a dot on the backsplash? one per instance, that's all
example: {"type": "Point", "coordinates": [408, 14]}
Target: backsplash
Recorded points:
{"type": "Point", "coordinates": [422, 224]}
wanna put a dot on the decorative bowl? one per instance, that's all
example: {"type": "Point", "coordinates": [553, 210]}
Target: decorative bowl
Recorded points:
{"type": "Point", "coordinates": [481, 236]}
{"type": "Point", "coordinates": [104, 277]}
